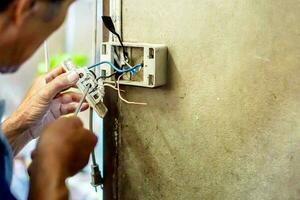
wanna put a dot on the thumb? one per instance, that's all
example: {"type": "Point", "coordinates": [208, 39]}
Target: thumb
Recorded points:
{"type": "Point", "coordinates": [60, 83]}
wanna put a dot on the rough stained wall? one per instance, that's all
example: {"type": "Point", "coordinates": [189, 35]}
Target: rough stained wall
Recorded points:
{"type": "Point", "coordinates": [227, 126]}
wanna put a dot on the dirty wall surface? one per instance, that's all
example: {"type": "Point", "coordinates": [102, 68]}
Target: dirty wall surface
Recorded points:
{"type": "Point", "coordinates": [227, 125]}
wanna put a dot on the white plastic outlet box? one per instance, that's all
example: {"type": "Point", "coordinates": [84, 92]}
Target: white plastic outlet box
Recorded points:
{"type": "Point", "coordinates": [153, 56]}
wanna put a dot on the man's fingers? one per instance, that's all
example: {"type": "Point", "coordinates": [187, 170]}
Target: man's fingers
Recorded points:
{"type": "Point", "coordinates": [77, 121]}
{"type": "Point", "coordinates": [54, 73]}
{"type": "Point", "coordinates": [72, 121]}
{"type": "Point", "coordinates": [58, 84]}
{"type": "Point", "coordinates": [67, 109]}
{"type": "Point", "coordinates": [84, 107]}
{"type": "Point", "coordinates": [69, 97]}
{"type": "Point", "coordinates": [71, 108]}
{"type": "Point", "coordinates": [91, 142]}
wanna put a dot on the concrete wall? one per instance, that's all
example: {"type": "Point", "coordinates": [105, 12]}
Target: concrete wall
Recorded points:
{"type": "Point", "coordinates": [227, 126]}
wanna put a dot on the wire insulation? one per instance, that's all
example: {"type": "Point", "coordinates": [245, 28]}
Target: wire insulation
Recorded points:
{"type": "Point", "coordinates": [126, 101]}
{"type": "Point", "coordinates": [113, 87]}
{"type": "Point", "coordinates": [133, 69]}
{"type": "Point", "coordinates": [105, 77]}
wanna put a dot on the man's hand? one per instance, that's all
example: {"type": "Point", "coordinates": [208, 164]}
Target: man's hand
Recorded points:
{"type": "Point", "coordinates": [63, 149]}
{"type": "Point", "coordinates": [44, 103]}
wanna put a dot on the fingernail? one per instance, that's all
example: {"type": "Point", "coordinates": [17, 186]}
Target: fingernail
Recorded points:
{"type": "Point", "coordinates": [73, 77]}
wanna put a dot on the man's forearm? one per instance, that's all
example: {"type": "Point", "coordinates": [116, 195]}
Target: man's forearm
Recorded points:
{"type": "Point", "coordinates": [12, 127]}
{"type": "Point", "coordinates": [16, 134]}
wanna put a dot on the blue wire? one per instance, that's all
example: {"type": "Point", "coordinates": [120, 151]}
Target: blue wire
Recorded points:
{"type": "Point", "coordinates": [133, 70]}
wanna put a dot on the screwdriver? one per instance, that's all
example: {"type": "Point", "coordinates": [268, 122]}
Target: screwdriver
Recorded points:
{"type": "Point", "coordinates": [85, 92]}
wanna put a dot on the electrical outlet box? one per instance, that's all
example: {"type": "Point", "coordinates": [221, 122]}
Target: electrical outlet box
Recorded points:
{"type": "Point", "coordinates": [154, 58]}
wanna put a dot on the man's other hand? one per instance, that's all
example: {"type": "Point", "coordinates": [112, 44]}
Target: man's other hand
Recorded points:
{"type": "Point", "coordinates": [63, 149]}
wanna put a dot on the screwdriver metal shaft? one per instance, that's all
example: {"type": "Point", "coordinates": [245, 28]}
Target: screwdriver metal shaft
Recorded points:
{"type": "Point", "coordinates": [85, 92]}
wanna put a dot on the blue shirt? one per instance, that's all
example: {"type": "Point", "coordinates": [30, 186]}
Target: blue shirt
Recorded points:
{"type": "Point", "coordinates": [5, 163]}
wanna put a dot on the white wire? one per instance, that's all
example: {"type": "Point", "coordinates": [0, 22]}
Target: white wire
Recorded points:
{"type": "Point", "coordinates": [113, 87]}
{"type": "Point", "coordinates": [124, 100]}
{"type": "Point", "coordinates": [127, 64]}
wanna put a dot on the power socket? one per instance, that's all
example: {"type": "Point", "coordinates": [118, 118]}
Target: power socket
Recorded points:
{"type": "Point", "coordinates": [88, 79]}
{"type": "Point", "coordinates": [154, 58]}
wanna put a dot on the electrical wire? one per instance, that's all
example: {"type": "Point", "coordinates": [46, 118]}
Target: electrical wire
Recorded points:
{"type": "Point", "coordinates": [105, 77]}
{"type": "Point", "coordinates": [113, 87]}
{"type": "Point", "coordinates": [96, 177]}
{"type": "Point", "coordinates": [91, 129]}
{"type": "Point", "coordinates": [128, 64]}
{"type": "Point", "coordinates": [124, 100]}
{"type": "Point", "coordinates": [117, 88]}
{"type": "Point", "coordinates": [133, 69]}
{"type": "Point", "coordinates": [125, 54]}
{"type": "Point", "coordinates": [109, 24]}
